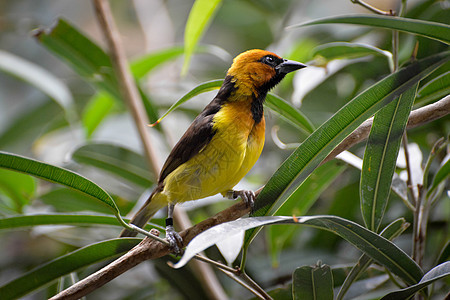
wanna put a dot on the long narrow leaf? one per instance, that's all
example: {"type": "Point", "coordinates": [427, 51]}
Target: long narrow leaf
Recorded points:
{"type": "Point", "coordinates": [115, 159]}
{"type": "Point", "coordinates": [322, 141]}
{"type": "Point", "coordinates": [390, 232]}
{"type": "Point", "coordinates": [378, 248]}
{"type": "Point", "coordinates": [380, 157]}
{"type": "Point", "coordinates": [84, 56]}
{"type": "Point", "coordinates": [56, 174]}
{"type": "Point", "coordinates": [289, 112]}
{"type": "Point", "coordinates": [66, 264]}
{"type": "Point", "coordinates": [432, 30]}
{"type": "Point", "coordinates": [58, 219]}
{"type": "Point", "coordinates": [198, 21]}
{"type": "Point", "coordinates": [441, 175]}
{"type": "Point", "coordinates": [438, 272]}
{"type": "Point", "coordinates": [40, 78]}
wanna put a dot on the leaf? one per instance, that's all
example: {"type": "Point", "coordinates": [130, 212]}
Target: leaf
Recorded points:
{"type": "Point", "coordinates": [66, 264]}
{"type": "Point", "coordinates": [68, 200]}
{"type": "Point", "coordinates": [320, 143]}
{"type": "Point", "coordinates": [56, 174]}
{"type": "Point", "coordinates": [98, 107]}
{"type": "Point", "coordinates": [380, 157]}
{"type": "Point", "coordinates": [19, 188]}
{"type": "Point", "coordinates": [432, 30]}
{"type": "Point", "coordinates": [391, 231]}
{"type": "Point", "coordinates": [289, 112]}
{"type": "Point", "coordinates": [344, 50]}
{"type": "Point", "coordinates": [40, 78]}
{"type": "Point", "coordinates": [438, 272]}
{"type": "Point", "coordinates": [60, 219]}
{"type": "Point", "coordinates": [301, 200]}
{"type": "Point", "coordinates": [143, 65]}
{"type": "Point", "coordinates": [435, 89]}
{"type": "Point", "coordinates": [441, 175]}
{"type": "Point", "coordinates": [312, 283]}
{"type": "Point", "coordinates": [202, 88]}
{"type": "Point", "coordinates": [29, 125]}
{"type": "Point", "coordinates": [200, 17]}
{"type": "Point", "coordinates": [115, 159]}
{"type": "Point", "coordinates": [378, 248]}
{"type": "Point", "coordinates": [81, 54]}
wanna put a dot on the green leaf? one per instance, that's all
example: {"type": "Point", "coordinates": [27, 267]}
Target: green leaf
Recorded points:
{"type": "Point", "coordinates": [67, 200]}
{"type": "Point", "coordinates": [380, 157]}
{"type": "Point", "coordinates": [56, 174]}
{"type": "Point", "coordinates": [61, 219]}
{"type": "Point", "coordinates": [441, 175]}
{"type": "Point", "coordinates": [145, 64]}
{"type": "Point", "coordinates": [117, 160]}
{"type": "Point", "coordinates": [391, 231]}
{"type": "Point", "coordinates": [432, 30]}
{"type": "Point", "coordinates": [19, 188]}
{"type": "Point", "coordinates": [40, 78]}
{"type": "Point", "coordinates": [289, 112]}
{"type": "Point", "coordinates": [438, 272]}
{"type": "Point", "coordinates": [199, 89]}
{"type": "Point", "coordinates": [98, 107]}
{"type": "Point", "coordinates": [81, 54]}
{"type": "Point", "coordinates": [301, 200]}
{"type": "Point", "coordinates": [198, 21]}
{"type": "Point", "coordinates": [312, 283]}
{"type": "Point", "coordinates": [378, 248]}
{"type": "Point", "coordinates": [29, 125]}
{"type": "Point", "coordinates": [344, 50]}
{"type": "Point", "coordinates": [320, 143]}
{"type": "Point", "coordinates": [71, 262]}
{"type": "Point", "coordinates": [435, 89]}
{"type": "Point", "coordinates": [142, 66]}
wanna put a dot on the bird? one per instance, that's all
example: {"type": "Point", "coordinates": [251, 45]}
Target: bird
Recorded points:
{"type": "Point", "coordinates": [223, 142]}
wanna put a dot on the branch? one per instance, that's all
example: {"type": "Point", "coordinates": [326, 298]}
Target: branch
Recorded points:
{"type": "Point", "coordinates": [126, 81]}
{"type": "Point", "coordinates": [147, 249]}
{"type": "Point", "coordinates": [132, 97]}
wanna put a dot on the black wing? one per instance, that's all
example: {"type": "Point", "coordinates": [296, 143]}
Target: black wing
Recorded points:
{"type": "Point", "coordinates": [199, 134]}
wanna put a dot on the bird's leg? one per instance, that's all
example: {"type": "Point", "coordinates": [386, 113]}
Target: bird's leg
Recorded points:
{"type": "Point", "coordinates": [246, 195]}
{"type": "Point", "coordinates": [172, 236]}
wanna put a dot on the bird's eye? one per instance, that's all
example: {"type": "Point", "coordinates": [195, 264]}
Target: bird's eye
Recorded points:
{"type": "Point", "coordinates": [268, 60]}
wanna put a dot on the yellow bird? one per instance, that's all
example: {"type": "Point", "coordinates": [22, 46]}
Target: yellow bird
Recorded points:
{"type": "Point", "coordinates": [223, 142]}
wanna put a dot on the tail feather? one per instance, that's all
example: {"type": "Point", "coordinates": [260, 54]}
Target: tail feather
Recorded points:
{"type": "Point", "coordinates": [147, 211]}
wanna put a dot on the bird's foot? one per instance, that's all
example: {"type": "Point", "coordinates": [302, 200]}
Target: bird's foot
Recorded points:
{"type": "Point", "coordinates": [246, 195]}
{"type": "Point", "coordinates": [174, 240]}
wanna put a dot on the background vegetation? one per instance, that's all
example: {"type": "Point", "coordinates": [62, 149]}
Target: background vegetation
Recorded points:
{"type": "Point", "coordinates": [62, 114]}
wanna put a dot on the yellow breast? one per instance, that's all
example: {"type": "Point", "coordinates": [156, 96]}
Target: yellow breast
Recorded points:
{"type": "Point", "coordinates": [232, 152]}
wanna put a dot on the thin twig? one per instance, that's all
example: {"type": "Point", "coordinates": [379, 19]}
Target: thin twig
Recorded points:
{"type": "Point", "coordinates": [240, 281]}
{"type": "Point", "coordinates": [373, 8]}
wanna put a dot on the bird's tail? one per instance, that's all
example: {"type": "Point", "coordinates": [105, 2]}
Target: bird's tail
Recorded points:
{"type": "Point", "coordinates": [154, 203]}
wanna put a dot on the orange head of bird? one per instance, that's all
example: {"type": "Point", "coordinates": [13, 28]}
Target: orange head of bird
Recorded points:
{"type": "Point", "coordinates": [257, 71]}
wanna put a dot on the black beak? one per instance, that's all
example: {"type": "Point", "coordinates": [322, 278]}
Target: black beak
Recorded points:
{"type": "Point", "coordinates": [288, 66]}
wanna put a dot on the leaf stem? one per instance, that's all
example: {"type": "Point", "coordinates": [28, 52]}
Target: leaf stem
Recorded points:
{"type": "Point", "coordinates": [373, 8]}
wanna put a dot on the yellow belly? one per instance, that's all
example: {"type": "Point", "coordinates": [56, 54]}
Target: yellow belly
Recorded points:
{"type": "Point", "coordinates": [232, 152]}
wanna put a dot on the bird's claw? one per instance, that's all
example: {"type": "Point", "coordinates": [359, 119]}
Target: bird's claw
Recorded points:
{"type": "Point", "coordinates": [246, 195]}
{"type": "Point", "coordinates": [174, 240]}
